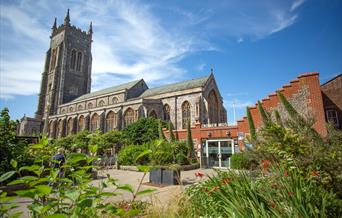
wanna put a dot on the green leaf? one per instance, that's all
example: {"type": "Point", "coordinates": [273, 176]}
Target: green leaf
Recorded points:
{"type": "Point", "coordinates": [6, 175]}
{"type": "Point", "coordinates": [26, 193]}
{"type": "Point", "coordinates": [146, 191]}
{"type": "Point", "coordinates": [37, 146]}
{"type": "Point", "coordinates": [93, 148]}
{"type": "Point", "coordinates": [126, 187]}
{"type": "Point", "coordinates": [14, 164]}
{"type": "Point", "coordinates": [57, 215]}
{"type": "Point", "coordinates": [44, 189]}
{"type": "Point", "coordinates": [108, 194]}
{"type": "Point", "coordinates": [29, 168]}
{"type": "Point", "coordinates": [144, 168]}
{"type": "Point", "coordinates": [143, 154]}
{"type": "Point", "coordinates": [72, 195]}
{"type": "Point", "coordinates": [74, 158]}
{"type": "Point", "coordinates": [15, 215]}
{"type": "Point", "coordinates": [86, 202]}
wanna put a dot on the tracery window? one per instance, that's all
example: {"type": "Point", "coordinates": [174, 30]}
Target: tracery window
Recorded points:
{"type": "Point", "coordinates": [79, 61]}
{"type": "Point", "coordinates": [73, 59]}
{"type": "Point", "coordinates": [186, 114]}
{"type": "Point", "coordinates": [81, 123]}
{"type": "Point", "coordinates": [90, 106]}
{"type": "Point", "coordinates": [115, 100]}
{"type": "Point", "coordinates": [95, 122]}
{"type": "Point", "coordinates": [332, 117]}
{"type": "Point", "coordinates": [111, 121]}
{"type": "Point", "coordinates": [213, 107]}
{"type": "Point", "coordinates": [53, 58]}
{"type": "Point", "coordinates": [166, 110]}
{"type": "Point", "coordinates": [153, 114]}
{"type": "Point", "coordinates": [101, 103]}
{"type": "Point", "coordinates": [129, 116]}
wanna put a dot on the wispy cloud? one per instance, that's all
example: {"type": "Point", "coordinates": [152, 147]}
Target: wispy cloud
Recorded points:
{"type": "Point", "coordinates": [296, 4]}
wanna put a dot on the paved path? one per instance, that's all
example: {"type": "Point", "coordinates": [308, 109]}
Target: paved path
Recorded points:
{"type": "Point", "coordinates": [162, 195]}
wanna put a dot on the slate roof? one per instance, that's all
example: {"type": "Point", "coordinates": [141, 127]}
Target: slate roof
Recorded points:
{"type": "Point", "coordinates": [108, 90]}
{"type": "Point", "coordinates": [188, 84]}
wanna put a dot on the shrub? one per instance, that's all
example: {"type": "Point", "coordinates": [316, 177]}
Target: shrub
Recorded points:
{"type": "Point", "coordinates": [129, 154]}
{"type": "Point", "coordinates": [142, 131]}
{"type": "Point", "coordinates": [240, 161]}
{"type": "Point", "coordinates": [281, 194]}
{"type": "Point", "coordinates": [182, 159]}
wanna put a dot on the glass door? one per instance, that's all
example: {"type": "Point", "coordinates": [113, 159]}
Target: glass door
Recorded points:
{"type": "Point", "coordinates": [213, 154]}
{"type": "Point", "coordinates": [225, 153]}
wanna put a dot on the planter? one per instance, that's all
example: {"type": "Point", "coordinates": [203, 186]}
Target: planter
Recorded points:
{"type": "Point", "coordinates": [156, 176]}
{"type": "Point", "coordinates": [170, 177]}
{"type": "Point", "coordinates": [164, 176]}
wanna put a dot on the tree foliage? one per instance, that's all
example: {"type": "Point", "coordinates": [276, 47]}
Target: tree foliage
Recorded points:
{"type": "Point", "coordinates": [172, 135]}
{"type": "Point", "coordinates": [142, 131]}
{"type": "Point", "coordinates": [251, 125]}
{"type": "Point", "coordinates": [189, 141]}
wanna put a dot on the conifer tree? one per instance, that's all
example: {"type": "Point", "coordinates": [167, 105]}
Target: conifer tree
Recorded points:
{"type": "Point", "coordinates": [172, 136]}
{"type": "Point", "coordinates": [160, 130]}
{"type": "Point", "coordinates": [264, 116]}
{"type": "Point", "coordinates": [277, 117]}
{"type": "Point", "coordinates": [251, 125]}
{"type": "Point", "coordinates": [189, 141]}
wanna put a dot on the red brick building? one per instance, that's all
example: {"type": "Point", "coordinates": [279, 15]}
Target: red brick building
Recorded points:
{"type": "Point", "coordinates": [214, 144]}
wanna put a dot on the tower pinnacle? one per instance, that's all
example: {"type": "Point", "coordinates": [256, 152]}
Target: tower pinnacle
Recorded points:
{"type": "Point", "coordinates": [90, 31]}
{"type": "Point", "coordinates": [67, 19]}
{"type": "Point", "coordinates": [54, 26]}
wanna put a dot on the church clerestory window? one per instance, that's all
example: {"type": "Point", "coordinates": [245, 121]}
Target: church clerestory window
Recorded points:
{"type": "Point", "coordinates": [129, 117]}
{"type": "Point", "coordinates": [186, 114]}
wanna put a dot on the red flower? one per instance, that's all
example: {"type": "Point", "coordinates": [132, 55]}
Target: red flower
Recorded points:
{"type": "Point", "coordinates": [286, 174]}
{"type": "Point", "coordinates": [265, 165]}
{"type": "Point", "coordinates": [199, 174]}
{"type": "Point", "coordinates": [314, 173]}
{"type": "Point", "coordinates": [273, 205]}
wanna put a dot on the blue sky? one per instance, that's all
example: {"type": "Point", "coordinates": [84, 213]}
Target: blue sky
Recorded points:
{"type": "Point", "coordinates": [253, 46]}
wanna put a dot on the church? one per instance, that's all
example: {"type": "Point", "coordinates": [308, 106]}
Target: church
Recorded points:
{"type": "Point", "coordinates": [67, 106]}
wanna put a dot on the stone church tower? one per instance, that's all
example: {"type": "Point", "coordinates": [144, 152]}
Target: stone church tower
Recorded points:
{"type": "Point", "coordinates": [67, 72]}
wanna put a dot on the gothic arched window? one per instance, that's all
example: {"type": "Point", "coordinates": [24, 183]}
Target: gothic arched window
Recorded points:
{"type": "Point", "coordinates": [79, 61]}
{"type": "Point", "coordinates": [95, 122]}
{"type": "Point", "coordinates": [52, 129]}
{"type": "Point", "coordinates": [60, 128]}
{"type": "Point", "coordinates": [186, 114]}
{"type": "Point", "coordinates": [110, 121]}
{"type": "Point", "coordinates": [166, 111]}
{"type": "Point", "coordinates": [115, 100]}
{"type": "Point", "coordinates": [73, 59]}
{"type": "Point", "coordinates": [90, 106]}
{"type": "Point", "coordinates": [53, 58]}
{"type": "Point", "coordinates": [153, 114]}
{"type": "Point", "coordinates": [129, 116]}
{"type": "Point", "coordinates": [81, 123]}
{"type": "Point", "coordinates": [70, 126]}
{"type": "Point", "coordinates": [213, 107]}
{"type": "Point", "coordinates": [101, 103]}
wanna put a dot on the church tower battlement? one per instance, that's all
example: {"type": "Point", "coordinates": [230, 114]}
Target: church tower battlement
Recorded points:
{"type": "Point", "coordinates": [67, 70]}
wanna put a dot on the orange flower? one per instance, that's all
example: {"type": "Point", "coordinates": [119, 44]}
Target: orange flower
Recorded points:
{"type": "Point", "coordinates": [286, 174]}
{"type": "Point", "coordinates": [225, 181]}
{"type": "Point", "coordinates": [314, 173]}
{"type": "Point", "coordinates": [290, 194]}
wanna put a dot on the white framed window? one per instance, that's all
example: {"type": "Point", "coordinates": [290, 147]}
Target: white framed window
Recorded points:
{"type": "Point", "coordinates": [332, 117]}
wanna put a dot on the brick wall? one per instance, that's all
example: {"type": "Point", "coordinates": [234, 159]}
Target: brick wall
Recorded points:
{"type": "Point", "coordinates": [304, 94]}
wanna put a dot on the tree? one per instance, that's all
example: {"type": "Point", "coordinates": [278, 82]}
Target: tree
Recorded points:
{"type": "Point", "coordinates": [264, 116]}
{"type": "Point", "coordinates": [189, 141]}
{"type": "Point", "coordinates": [142, 131]}
{"type": "Point", "coordinates": [172, 136]}
{"type": "Point", "coordinates": [160, 130]}
{"type": "Point", "coordinates": [10, 146]}
{"type": "Point", "coordinates": [251, 125]}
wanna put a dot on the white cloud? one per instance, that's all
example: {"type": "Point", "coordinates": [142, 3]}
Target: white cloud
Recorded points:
{"type": "Point", "coordinates": [296, 4]}
{"type": "Point", "coordinates": [132, 39]}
